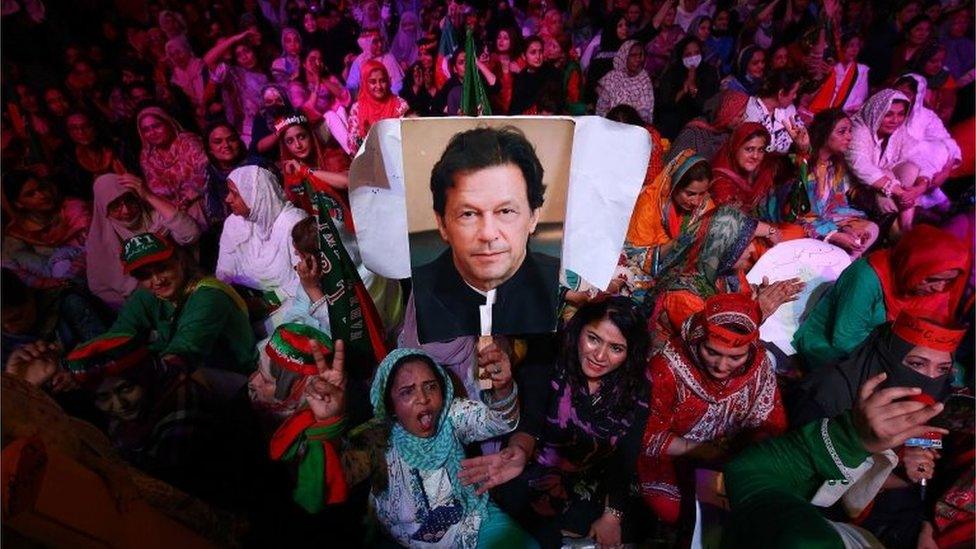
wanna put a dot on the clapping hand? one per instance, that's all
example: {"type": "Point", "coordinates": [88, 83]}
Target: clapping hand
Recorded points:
{"type": "Point", "coordinates": [771, 296]}
{"type": "Point", "coordinates": [325, 392]}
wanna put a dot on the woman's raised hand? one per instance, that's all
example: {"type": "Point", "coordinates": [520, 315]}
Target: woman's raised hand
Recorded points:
{"type": "Point", "coordinates": [325, 392]}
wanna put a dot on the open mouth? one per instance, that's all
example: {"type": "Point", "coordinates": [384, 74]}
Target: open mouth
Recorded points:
{"type": "Point", "coordinates": [426, 421]}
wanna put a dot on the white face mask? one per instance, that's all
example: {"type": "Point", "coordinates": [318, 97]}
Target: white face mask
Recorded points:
{"type": "Point", "coordinates": [691, 62]}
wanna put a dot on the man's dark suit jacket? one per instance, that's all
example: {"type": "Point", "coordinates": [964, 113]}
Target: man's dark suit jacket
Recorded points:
{"type": "Point", "coordinates": [448, 308]}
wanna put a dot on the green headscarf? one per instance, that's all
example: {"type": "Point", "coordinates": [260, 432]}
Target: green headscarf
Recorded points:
{"type": "Point", "coordinates": [441, 450]}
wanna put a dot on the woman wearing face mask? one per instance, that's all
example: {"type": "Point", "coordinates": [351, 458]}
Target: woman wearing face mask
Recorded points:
{"type": "Point", "coordinates": [914, 352]}
{"type": "Point", "coordinates": [685, 87]}
{"type": "Point", "coordinates": [923, 273]}
{"type": "Point", "coordinates": [376, 102]}
{"type": "Point", "coordinates": [713, 391]}
{"type": "Point", "coordinates": [277, 104]}
{"type": "Point", "coordinates": [196, 320]}
{"type": "Point", "coordinates": [628, 83]}
{"type": "Point", "coordinates": [416, 494]}
{"type": "Point", "coordinates": [567, 469]}
{"type": "Point", "coordinates": [125, 207]}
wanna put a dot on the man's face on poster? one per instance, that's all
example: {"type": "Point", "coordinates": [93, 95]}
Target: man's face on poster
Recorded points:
{"type": "Point", "coordinates": [487, 222]}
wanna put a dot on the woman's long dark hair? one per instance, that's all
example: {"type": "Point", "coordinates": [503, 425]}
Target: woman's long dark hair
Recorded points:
{"type": "Point", "coordinates": [628, 382]}
{"type": "Point", "coordinates": [822, 126]}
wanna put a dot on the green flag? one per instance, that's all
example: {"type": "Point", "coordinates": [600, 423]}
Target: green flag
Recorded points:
{"type": "Point", "coordinates": [474, 98]}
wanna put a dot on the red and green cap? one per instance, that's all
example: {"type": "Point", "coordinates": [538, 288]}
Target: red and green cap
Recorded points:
{"type": "Point", "coordinates": [144, 249]}
{"type": "Point", "coordinates": [107, 355]}
{"type": "Point", "coordinates": [290, 347]}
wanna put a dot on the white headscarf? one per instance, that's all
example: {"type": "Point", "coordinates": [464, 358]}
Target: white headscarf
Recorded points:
{"type": "Point", "coordinates": [257, 252]}
{"type": "Point", "coordinates": [874, 109]}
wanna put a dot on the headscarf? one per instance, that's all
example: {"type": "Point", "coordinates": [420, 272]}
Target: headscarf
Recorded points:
{"type": "Point", "coordinates": [749, 84]}
{"type": "Point", "coordinates": [621, 88]}
{"type": "Point", "coordinates": [874, 109]}
{"type": "Point", "coordinates": [404, 47]}
{"type": "Point", "coordinates": [655, 217]}
{"type": "Point", "coordinates": [105, 275]}
{"type": "Point", "coordinates": [922, 252]}
{"type": "Point", "coordinates": [191, 78]}
{"type": "Point", "coordinates": [918, 119]}
{"type": "Point", "coordinates": [178, 171]}
{"type": "Point", "coordinates": [371, 110]}
{"type": "Point", "coordinates": [443, 450]}
{"type": "Point", "coordinates": [273, 113]}
{"type": "Point", "coordinates": [659, 50]}
{"type": "Point", "coordinates": [835, 389]}
{"type": "Point", "coordinates": [731, 105]}
{"type": "Point", "coordinates": [720, 319]}
{"type": "Point", "coordinates": [287, 66]}
{"type": "Point", "coordinates": [262, 242]}
{"type": "Point", "coordinates": [707, 253]}
{"type": "Point", "coordinates": [750, 189]}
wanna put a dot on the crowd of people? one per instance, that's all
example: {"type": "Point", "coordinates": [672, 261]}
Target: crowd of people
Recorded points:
{"type": "Point", "coordinates": [181, 269]}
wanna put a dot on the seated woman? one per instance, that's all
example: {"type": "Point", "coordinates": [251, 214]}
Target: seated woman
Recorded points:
{"type": "Point", "coordinates": [831, 217]}
{"type": "Point", "coordinates": [537, 78]}
{"type": "Point", "coordinates": [44, 242]}
{"type": "Point", "coordinates": [161, 420]}
{"type": "Point", "coordinates": [173, 161]}
{"type": "Point", "coordinates": [912, 352]}
{"type": "Point", "coordinates": [375, 102]}
{"type": "Point", "coordinates": [277, 387]}
{"type": "Point", "coordinates": [125, 207]}
{"type": "Point", "coordinates": [744, 173]}
{"type": "Point", "coordinates": [776, 487]}
{"type": "Point", "coordinates": [936, 151]}
{"type": "Point", "coordinates": [88, 155]}
{"type": "Point", "coordinates": [773, 107]}
{"type": "Point", "coordinates": [685, 86]}
{"type": "Point", "coordinates": [749, 69]}
{"type": "Point", "coordinates": [709, 259]}
{"type": "Point", "coordinates": [568, 468]}
{"type": "Point", "coordinates": [304, 156]}
{"type": "Point", "coordinates": [675, 201]}
{"type": "Point", "coordinates": [255, 248]}
{"type": "Point", "coordinates": [628, 83]}
{"type": "Point", "coordinates": [713, 391]}
{"type": "Point", "coordinates": [196, 320]}
{"type": "Point", "coordinates": [922, 273]}
{"type": "Point", "coordinates": [416, 490]}
{"type": "Point", "coordinates": [884, 160]}
{"type": "Point", "coordinates": [706, 136]}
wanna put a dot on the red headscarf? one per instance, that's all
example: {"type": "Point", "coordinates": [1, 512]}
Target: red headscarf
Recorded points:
{"type": "Point", "coordinates": [730, 184]}
{"type": "Point", "coordinates": [372, 110]}
{"type": "Point", "coordinates": [921, 253]}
